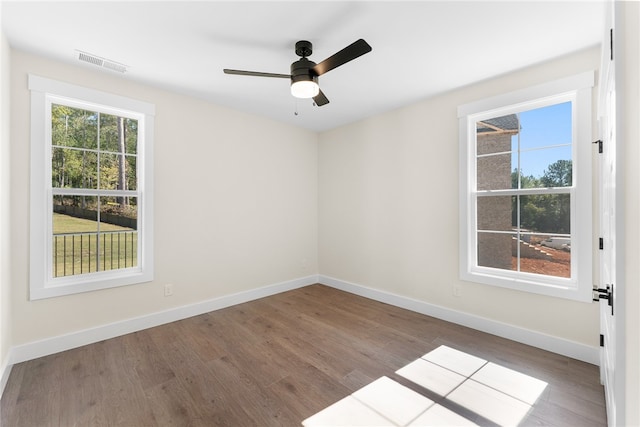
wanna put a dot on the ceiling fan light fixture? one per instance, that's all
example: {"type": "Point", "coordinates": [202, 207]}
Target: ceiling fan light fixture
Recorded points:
{"type": "Point", "coordinates": [305, 89]}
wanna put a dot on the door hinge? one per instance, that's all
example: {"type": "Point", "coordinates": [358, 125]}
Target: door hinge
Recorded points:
{"type": "Point", "coordinates": [601, 243]}
{"type": "Point", "coordinates": [601, 340]}
{"type": "Point", "coordinates": [611, 43]}
{"type": "Point", "coordinates": [599, 142]}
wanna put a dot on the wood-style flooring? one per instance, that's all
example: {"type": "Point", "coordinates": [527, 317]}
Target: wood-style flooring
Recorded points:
{"type": "Point", "coordinates": [272, 362]}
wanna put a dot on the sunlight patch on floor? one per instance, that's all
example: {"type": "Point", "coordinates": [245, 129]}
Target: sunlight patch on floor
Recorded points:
{"type": "Point", "coordinates": [432, 377]}
{"type": "Point", "coordinates": [483, 389]}
{"type": "Point", "coordinates": [440, 416]}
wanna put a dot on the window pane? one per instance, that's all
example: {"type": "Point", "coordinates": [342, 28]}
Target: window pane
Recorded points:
{"type": "Point", "coordinates": [494, 163]}
{"type": "Point", "coordinates": [117, 172]}
{"type": "Point", "coordinates": [551, 167]}
{"type": "Point", "coordinates": [543, 254]}
{"type": "Point", "coordinates": [131, 131]}
{"type": "Point", "coordinates": [548, 213]}
{"type": "Point", "coordinates": [494, 135]}
{"type": "Point", "coordinates": [119, 235]}
{"type": "Point", "coordinates": [74, 214]}
{"type": "Point", "coordinates": [118, 211]}
{"type": "Point", "coordinates": [108, 133]}
{"type": "Point", "coordinates": [131, 175]}
{"type": "Point", "coordinates": [118, 134]}
{"type": "Point", "coordinates": [495, 213]}
{"type": "Point", "coordinates": [542, 151]}
{"type": "Point", "coordinates": [494, 172]}
{"type": "Point", "coordinates": [75, 230]}
{"type": "Point", "coordinates": [495, 250]}
{"type": "Point", "coordinates": [543, 127]}
{"type": "Point", "coordinates": [71, 168]}
{"type": "Point", "coordinates": [548, 253]}
{"type": "Point", "coordinates": [73, 127]}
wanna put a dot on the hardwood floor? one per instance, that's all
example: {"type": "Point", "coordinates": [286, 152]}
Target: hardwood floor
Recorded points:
{"type": "Point", "coordinates": [272, 362]}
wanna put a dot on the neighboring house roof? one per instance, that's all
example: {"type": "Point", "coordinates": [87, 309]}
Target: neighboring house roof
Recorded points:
{"type": "Point", "coordinates": [504, 124]}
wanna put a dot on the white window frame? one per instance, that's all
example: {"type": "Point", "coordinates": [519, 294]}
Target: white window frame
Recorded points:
{"type": "Point", "coordinates": [576, 89]}
{"type": "Point", "coordinates": [45, 92]}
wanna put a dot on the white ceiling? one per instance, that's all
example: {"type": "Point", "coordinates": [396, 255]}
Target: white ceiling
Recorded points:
{"type": "Point", "coordinates": [419, 48]}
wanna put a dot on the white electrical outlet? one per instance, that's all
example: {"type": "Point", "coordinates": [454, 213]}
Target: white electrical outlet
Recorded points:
{"type": "Point", "coordinates": [457, 291]}
{"type": "Point", "coordinates": [168, 290]}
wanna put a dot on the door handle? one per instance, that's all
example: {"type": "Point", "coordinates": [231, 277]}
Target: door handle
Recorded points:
{"type": "Point", "coordinates": [606, 294]}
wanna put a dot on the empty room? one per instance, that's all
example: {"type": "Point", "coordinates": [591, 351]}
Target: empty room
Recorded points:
{"type": "Point", "coordinates": [319, 213]}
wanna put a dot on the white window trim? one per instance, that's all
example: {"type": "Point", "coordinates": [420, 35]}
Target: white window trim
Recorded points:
{"type": "Point", "coordinates": [578, 89]}
{"type": "Point", "coordinates": [43, 92]}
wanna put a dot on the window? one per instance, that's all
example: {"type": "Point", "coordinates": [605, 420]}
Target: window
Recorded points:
{"type": "Point", "coordinates": [525, 189]}
{"type": "Point", "coordinates": [91, 189]}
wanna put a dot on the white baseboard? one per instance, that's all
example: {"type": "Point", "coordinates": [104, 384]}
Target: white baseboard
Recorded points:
{"type": "Point", "coordinates": [32, 350]}
{"type": "Point", "coordinates": [5, 371]}
{"type": "Point", "coordinates": [536, 339]}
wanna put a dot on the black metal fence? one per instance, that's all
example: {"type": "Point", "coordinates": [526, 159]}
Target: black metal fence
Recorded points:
{"type": "Point", "coordinates": [109, 218]}
{"type": "Point", "coordinates": [80, 253]}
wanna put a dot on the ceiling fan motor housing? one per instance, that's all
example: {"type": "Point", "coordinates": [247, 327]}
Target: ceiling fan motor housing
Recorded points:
{"type": "Point", "coordinates": [301, 71]}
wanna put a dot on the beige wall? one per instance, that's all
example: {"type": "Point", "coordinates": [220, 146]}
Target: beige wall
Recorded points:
{"type": "Point", "coordinates": [235, 206]}
{"type": "Point", "coordinates": [5, 302]}
{"type": "Point", "coordinates": [388, 200]}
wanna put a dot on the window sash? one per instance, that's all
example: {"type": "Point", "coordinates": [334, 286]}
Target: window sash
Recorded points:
{"type": "Point", "coordinates": [569, 283]}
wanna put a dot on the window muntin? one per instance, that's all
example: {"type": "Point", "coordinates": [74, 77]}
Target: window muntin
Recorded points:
{"type": "Point", "coordinates": [91, 189]}
{"type": "Point", "coordinates": [525, 175]}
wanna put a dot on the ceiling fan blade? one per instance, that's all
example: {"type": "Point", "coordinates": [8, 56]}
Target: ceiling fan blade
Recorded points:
{"type": "Point", "coordinates": [256, 74]}
{"type": "Point", "coordinates": [349, 53]}
{"type": "Point", "coordinates": [320, 99]}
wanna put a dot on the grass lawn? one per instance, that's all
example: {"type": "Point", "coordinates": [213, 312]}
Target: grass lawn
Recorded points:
{"type": "Point", "coordinates": [79, 248]}
{"type": "Point", "coordinates": [70, 224]}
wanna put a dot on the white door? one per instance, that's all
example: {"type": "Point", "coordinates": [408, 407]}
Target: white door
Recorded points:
{"type": "Point", "coordinates": [607, 285]}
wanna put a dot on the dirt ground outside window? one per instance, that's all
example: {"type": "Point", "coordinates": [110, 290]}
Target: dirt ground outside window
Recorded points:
{"type": "Point", "coordinates": [559, 264]}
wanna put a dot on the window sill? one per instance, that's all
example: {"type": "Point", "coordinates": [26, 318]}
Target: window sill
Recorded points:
{"type": "Point", "coordinates": [553, 287]}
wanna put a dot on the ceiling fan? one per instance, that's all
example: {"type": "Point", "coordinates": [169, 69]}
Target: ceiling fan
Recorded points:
{"type": "Point", "coordinates": [304, 73]}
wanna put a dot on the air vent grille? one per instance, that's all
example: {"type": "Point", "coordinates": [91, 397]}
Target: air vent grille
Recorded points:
{"type": "Point", "coordinates": [101, 62]}
{"type": "Point", "coordinates": [91, 59]}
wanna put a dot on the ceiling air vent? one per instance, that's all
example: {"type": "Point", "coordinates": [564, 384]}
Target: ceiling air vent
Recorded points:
{"type": "Point", "coordinates": [114, 66]}
{"type": "Point", "coordinates": [101, 62]}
